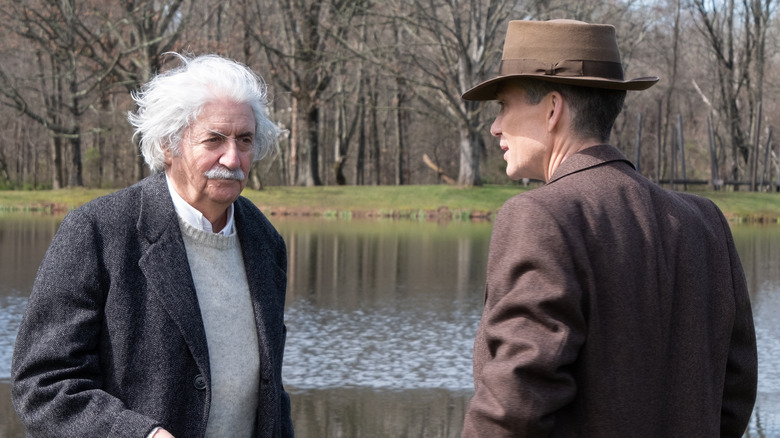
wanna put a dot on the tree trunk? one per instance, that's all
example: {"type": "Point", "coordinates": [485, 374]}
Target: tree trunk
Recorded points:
{"type": "Point", "coordinates": [311, 173]}
{"type": "Point", "coordinates": [399, 136]}
{"type": "Point", "coordinates": [76, 168]}
{"type": "Point", "coordinates": [376, 147]}
{"type": "Point", "coordinates": [361, 152]}
{"type": "Point", "coordinates": [470, 145]}
{"type": "Point", "coordinates": [56, 162]}
{"type": "Point", "coordinates": [294, 168]}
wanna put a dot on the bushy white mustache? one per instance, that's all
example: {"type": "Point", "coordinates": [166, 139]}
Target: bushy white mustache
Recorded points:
{"type": "Point", "coordinates": [221, 172]}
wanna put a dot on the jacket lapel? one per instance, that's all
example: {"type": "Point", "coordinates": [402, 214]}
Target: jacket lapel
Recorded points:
{"type": "Point", "coordinates": [263, 276]}
{"type": "Point", "coordinates": [166, 267]}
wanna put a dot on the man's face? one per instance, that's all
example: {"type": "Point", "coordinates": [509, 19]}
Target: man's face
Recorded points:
{"type": "Point", "coordinates": [522, 132]}
{"type": "Point", "coordinates": [219, 142]}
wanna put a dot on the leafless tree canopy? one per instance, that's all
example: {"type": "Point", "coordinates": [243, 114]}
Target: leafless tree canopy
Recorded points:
{"type": "Point", "coordinates": [368, 92]}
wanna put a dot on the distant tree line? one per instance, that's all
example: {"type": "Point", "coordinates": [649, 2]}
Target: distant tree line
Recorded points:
{"type": "Point", "coordinates": [368, 92]}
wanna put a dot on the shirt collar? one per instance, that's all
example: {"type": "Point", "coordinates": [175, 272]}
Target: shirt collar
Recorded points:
{"type": "Point", "coordinates": [192, 216]}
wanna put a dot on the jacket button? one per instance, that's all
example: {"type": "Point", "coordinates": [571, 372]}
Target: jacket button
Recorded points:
{"type": "Point", "coordinates": [199, 383]}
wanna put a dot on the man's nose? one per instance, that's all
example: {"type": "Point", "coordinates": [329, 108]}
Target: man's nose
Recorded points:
{"type": "Point", "coordinates": [495, 128]}
{"type": "Point", "coordinates": [231, 157]}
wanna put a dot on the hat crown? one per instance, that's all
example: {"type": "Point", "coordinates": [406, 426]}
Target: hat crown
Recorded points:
{"type": "Point", "coordinates": [564, 51]}
{"type": "Point", "coordinates": [560, 40]}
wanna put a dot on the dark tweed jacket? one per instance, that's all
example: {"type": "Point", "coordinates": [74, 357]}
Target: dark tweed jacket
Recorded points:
{"type": "Point", "coordinates": [112, 342]}
{"type": "Point", "coordinates": [613, 308]}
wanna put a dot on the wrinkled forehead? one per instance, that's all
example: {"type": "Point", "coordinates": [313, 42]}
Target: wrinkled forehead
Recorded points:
{"type": "Point", "coordinates": [221, 114]}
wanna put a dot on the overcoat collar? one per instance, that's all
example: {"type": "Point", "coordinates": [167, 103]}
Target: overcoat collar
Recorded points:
{"type": "Point", "coordinates": [586, 159]}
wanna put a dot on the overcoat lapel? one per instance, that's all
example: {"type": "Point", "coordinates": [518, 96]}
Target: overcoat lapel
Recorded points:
{"type": "Point", "coordinates": [167, 270]}
{"type": "Point", "coordinates": [262, 278]}
{"type": "Point", "coordinates": [266, 278]}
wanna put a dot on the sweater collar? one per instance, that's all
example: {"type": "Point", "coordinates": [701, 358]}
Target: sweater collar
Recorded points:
{"type": "Point", "coordinates": [195, 218]}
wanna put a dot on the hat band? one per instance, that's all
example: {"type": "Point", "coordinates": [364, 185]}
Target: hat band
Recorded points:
{"type": "Point", "coordinates": [567, 68]}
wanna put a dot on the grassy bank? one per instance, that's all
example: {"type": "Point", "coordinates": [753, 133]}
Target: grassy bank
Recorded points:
{"type": "Point", "coordinates": [417, 202]}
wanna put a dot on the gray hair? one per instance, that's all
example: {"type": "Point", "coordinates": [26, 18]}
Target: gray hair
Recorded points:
{"type": "Point", "coordinates": [594, 110]}
{"type": "Point", "coordinates": [172, 100]}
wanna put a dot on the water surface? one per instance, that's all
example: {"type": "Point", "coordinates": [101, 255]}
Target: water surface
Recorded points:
{"type": "Point", "coordinates": [381, 319]}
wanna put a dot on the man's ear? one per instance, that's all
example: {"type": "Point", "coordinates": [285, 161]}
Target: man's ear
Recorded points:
{"type": "Point", "coordinates": [555, 109]}
{"type": "Point", "coordinates": [168, 155]}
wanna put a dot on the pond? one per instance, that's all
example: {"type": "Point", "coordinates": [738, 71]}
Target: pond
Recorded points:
{"type": "Point", "coordinates": [381, 319]}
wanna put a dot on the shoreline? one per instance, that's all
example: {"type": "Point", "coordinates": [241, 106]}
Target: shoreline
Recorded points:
{"type": "Point", "coordinates": [437, 203]}
{"type": "Point", "coordinates": [441, 214]}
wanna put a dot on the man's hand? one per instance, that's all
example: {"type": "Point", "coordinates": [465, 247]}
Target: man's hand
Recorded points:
{"type": "Point", "coordinates": [162, 433]}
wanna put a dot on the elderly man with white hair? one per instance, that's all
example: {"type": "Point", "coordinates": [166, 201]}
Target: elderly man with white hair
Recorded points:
{"type": "Point", "coordinates": [158, 310]}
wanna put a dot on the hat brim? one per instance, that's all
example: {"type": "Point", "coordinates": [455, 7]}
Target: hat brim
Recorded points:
{"type": "Point", "coordinates": [487, 90]}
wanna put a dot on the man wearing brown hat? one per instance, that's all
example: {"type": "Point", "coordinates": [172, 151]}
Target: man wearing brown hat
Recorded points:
{"type": "Point", "coordinates": [613, 308]}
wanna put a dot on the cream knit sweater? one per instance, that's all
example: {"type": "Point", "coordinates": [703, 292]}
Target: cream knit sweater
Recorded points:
{"type": "Point", "coordinates": [220, 281]}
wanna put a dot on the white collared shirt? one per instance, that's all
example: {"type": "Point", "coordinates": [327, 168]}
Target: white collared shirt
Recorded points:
{"type": "Point", "coordinates": [192, 216]}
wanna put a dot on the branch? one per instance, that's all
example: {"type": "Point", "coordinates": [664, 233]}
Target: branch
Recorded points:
{"type": "Point", "coordinates": [437, 169]}
{"type": "Point", "coordinates": [703, 97]}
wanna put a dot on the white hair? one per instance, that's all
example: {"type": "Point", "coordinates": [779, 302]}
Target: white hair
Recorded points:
{"type": "Point", "coordinates": [172, 100]}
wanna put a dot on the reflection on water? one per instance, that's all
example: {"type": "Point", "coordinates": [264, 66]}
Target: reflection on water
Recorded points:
{"type": "Point", "coordinates": [366, 413]}
{"type": "Point", "coordinates": [767, 320]}
{"type": "Point", "coordinates": [11, 311]}
{"type": "Point", "coordinates": [24, 239]}
{"type": "Point", "coordinates": [401, 348]}
{"type": "Point", "coordinates": [383, 305]}
{"type": "Point", "coordinates": [23, 242]}
{"type": "Point", "coordinates": [381, 319]}
{"type": "Point", "coordinates": [759, 250]}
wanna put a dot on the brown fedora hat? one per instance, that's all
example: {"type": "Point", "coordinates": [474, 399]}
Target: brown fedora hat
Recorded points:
{"type": "Point", "coordinates": [565, 51]}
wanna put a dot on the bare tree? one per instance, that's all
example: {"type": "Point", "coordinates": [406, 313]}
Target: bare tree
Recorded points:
{"type": "Point", "coordinates": [672, 59]}
{"type": "Point", "coordinates": [457, 44]}
{"type": "Point", "coordinates": [301, 53]}
{"type": "Point", "coordinates": [735, 33]}
{"type": "Point", "coordinates": [140, 34]}
{"type": "Point", "coordinates": [365, 89]}
{"type": "Point", "coordinates": [60, 90]}
{"type": "Point", "coordinates": [82, 52]}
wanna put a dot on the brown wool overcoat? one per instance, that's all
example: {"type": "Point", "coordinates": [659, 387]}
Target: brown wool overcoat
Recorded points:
{"type": "Point", "coordinates": [613, 308]}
